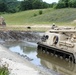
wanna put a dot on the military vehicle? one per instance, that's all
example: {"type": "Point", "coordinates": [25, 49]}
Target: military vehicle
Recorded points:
{"type": "Point", "coordinates": [60, 41]}
{"type": "Point", "coordinates": [57, 65]}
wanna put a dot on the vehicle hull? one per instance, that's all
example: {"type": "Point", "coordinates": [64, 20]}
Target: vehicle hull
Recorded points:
{"type": "Point", "coordinates": [57, 52]}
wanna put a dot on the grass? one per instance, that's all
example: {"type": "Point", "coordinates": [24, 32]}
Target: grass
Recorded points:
{"type": "Point", "coordinates": [24, 28]}
{"type": "Point", "coordinates": [4, 71]}
{"type": "Point", "coordinates": [49, 16]}
{"type": "Point", "coordinates": [20, 18]}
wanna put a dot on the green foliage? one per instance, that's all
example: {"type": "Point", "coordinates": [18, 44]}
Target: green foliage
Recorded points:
{"type": "Point", "coordinates": [45, 5]}
{"type": "Point", "coordinates": [4, 71]}
{"type": "Point", "coordinates": [72, 3]}
{"type": "Point", "coordinates": [66, 4]}
{"type": "Point", "coordinates": [13, 7]}
{"type": "Point", "coordinates": [35, 15]}
{"type": "Point", "coordinates": [3, 7]}
{"type": "Point", "coordinates": [40, 12]}
{"type": "Point", "coordinates": [33, 4]}
{"type": "Point", "coordinates": [49, 16]}
{"type": "Point", "coordinates": [53, 5]}
{"type": "Point", "coordinates": [60, 5]}
{"type": "Point", "coordinates": [26, 5]}
{"type": "Point", "coordinates": [9, 6]}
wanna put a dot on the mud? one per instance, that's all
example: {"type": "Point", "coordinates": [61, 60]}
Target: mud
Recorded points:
{"type": "Point", "coordinates": [19, 35]}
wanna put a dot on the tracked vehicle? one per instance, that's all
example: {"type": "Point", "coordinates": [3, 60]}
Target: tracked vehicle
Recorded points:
{"type": "Point", "coordinates": [60, 41]}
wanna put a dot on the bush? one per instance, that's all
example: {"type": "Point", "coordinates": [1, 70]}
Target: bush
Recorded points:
{"type": "Point", "coordinates": [4, 71]}
{"type": "Point", "coordinates": [35, 14]}
{"type": "Point", "coordinates": [40, 12]}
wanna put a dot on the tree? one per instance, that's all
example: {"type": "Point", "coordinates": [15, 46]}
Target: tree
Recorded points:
{"type": "Point", "coordinates": [72, 3]}
{"type": "Point", "coordinates": [53, 5]}
{"type": "Point", "coordinates": [66, 4]}
{"type": "Point", "coordinates": [37, 4]}
{"type": "Point", "coordinates": [60, 5]}
{"type": "Point", "coordinates": [9, 6]}
{"type": "Point", "coordinates": [63, 4]}
{"type": "Point", "coordinates": [3, 7]}
{"type": "Point", "coordinates": [12, 5]}
{"type": "Point", "coordinates": [33, 4]}
{"type": "Point", "coordinates": [45, 5]}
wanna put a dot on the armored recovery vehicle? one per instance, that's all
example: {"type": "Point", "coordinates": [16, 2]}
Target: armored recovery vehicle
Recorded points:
{"type": "Point", "coordinates": [60, 42]}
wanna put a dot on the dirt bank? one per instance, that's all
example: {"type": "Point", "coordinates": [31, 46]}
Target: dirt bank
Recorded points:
{"type": "Point", "coordinates": [19, 35]}
{"type": "Point", "coordinates": [17, 65]}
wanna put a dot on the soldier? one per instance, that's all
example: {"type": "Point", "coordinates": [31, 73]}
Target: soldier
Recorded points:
{"type": "Point", "coordinates": [53, 26]}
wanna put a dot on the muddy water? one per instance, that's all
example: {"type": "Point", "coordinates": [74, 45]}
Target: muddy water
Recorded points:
{"type": "Point", "coordinates": [41, 58]}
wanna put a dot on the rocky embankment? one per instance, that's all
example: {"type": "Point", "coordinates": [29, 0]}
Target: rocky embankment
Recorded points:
{"type": "Point", "coordinates": [19, 35]}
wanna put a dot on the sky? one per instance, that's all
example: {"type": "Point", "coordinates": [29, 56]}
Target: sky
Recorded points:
{"type": "Point", "coordinates": [50, 1]}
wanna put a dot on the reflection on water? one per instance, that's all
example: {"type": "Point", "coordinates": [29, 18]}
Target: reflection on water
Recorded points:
{"type": "Point", "coordinates": [42, 59]}
{"type": "Point", "coordinates": [24, 48]}
{"type": "Point", "coordinates": [56, 64]}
